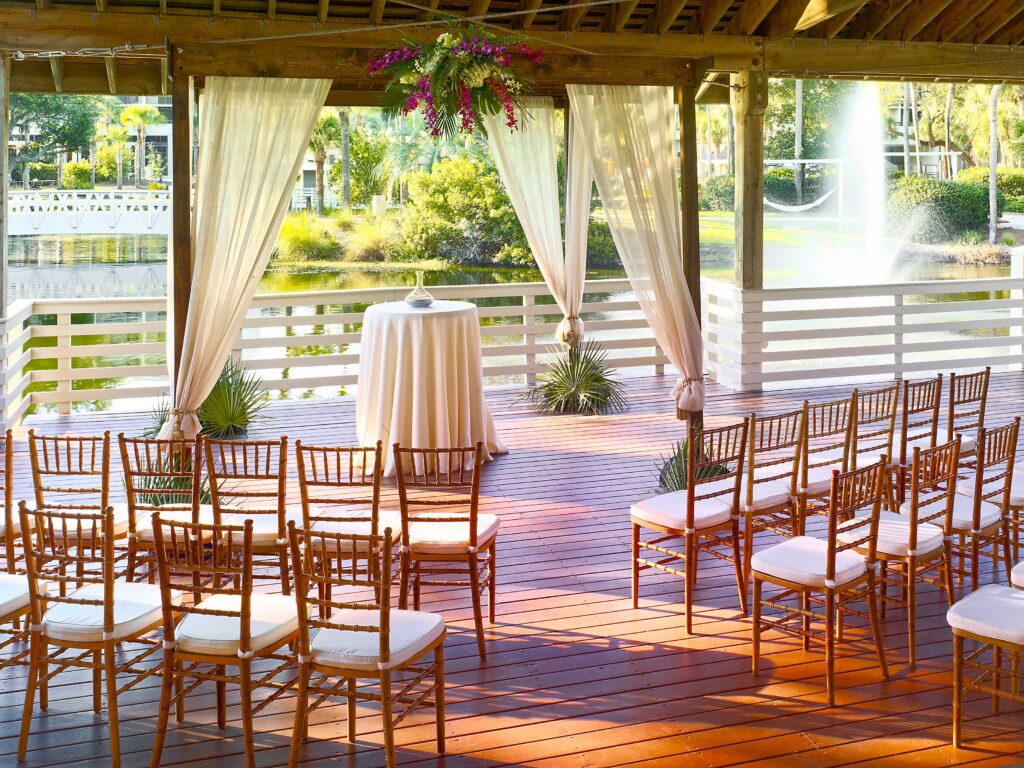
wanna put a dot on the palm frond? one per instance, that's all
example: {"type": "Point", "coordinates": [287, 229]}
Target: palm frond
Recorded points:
{"type": "Point", "coordinates": [578, 380]}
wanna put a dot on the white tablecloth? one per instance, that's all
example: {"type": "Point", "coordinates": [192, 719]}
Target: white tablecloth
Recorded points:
{"type": "Point", "coordinates": [420, 379]}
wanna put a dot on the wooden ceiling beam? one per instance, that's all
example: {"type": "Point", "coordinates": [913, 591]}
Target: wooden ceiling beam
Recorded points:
{"type": "Point", "coordinates": [111, 65]}
{"type": "Point", "coordinates": [57, 70]}
{"type": "Point", "coordinates": [987, 25]}
{"type": "Point", "coordinates": [816, 12]}
{"type": "Point", "coordinates": [85, 77]}
{"type": "Point", "coordinates": [42, 5]}
{"type": "Point", "coordinates": [664, 15]}
{"type": "Point", "coordinates": [530, 13]}
{"type": "Point", "coordinates": [783, 19]}
{"type": "Point", "coordinates": [955, 19]}
{"type": "Point", "coordinates": [617, 16]}
{"type": "Point", "coordinates": [572, 16]}
{"type": "Point", "coordinates": [271, 9]}
{"type": "Point", "coordinates": [101, 6]}
{"type": "Point", "coordinates": [1011, 35]}
{"type": "Point", "coordinates": [708, 16]}
{"type": "Point", "coordinates": [837, 24]}
{"type": "Point", "coordinates": [323, 6]}
{"type": "Point", "coordinates": [478, 8]}
{"type": "Point", "coordinates": [749, 17]}
{"type": "Point", "coordinates": [426, 14]}
{"type": "Point", "coordinates": [377, 12]}
{"type": "Point", "coordinates": [874, 17]}
{"type": "Point", "coordinates": [916, 17]}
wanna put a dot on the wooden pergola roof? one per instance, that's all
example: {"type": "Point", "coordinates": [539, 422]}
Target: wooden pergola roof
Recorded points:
{"type": "Point", "coordinates": [611, 41]}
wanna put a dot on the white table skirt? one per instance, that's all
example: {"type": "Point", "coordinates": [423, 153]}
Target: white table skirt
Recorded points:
{"type": "Point", "coordinates": [421, 381]}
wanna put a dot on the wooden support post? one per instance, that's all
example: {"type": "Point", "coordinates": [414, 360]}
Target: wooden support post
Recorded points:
{"type": "Point", "coordinates": [181, 222]}
{"type": "Point", "coordinates": [5, 183]}
{"type": "Point", "coordinates": [749, 99]}
{"type": "Point", "coordinates": [686, 103]}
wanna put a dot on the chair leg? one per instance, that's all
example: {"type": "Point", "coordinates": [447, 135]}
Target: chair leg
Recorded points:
{"type": "Point", "coordinates": [403, 583]}
{"type": "Point", "coordinates": [805, 606]}
{"type": "Point", "coordinates": [439, 696]}
{"type": "Point", "coordinates": [958, 693]}
{"type": "Point", "coordinates": [830, 646]}
{"type": "Point", "coordinates": [755, 642]}
{"type": "Point", "coordinates": [282, 556]}
{"type": "Point", "coordinates": [30, 696]}
{"type": "Point", "coordinates": [97, 681]}
{"type": "Point", "coordinates": [912, 612]}
{"type": "Point", "coordinates": [975, 553]}
{"type": "Point", "coordinates": [948, 571]}
{"type": "Point", "coordinates": [635, 555]}
{"type": "Point", "coordinates": [478, 619]}
{"type": "Point", "coordinates": [386, 713]}
{"type": "Point", "coordinates": [1005, 537]}
{"type": "Point", "coordinates": [492, 582]}
{"type": "Point", "coordinates": [748, 550]}
{"type": "Point", "coordinates": [351, 707]}
{"type": "Point", "coordinates": [222, 707]}
{"type": "Point", "coordinates": [737, 562]}
{"type": "Point", "coordinates": [301, 715]}
{"type": "Point", "coordinates": [179, 691]}
{"type": "Point", "coordinates": [248, 741]}
{"type": "Point", "coordinates": [690, 571]}
{"type": "Point", "coordinates": [876, 625]}
{"type": "Point", "coordinates": [112, 716]}
{"type": "Point", "coordinates": [44, 671]}
{"type": "Point", "coordinates": [416, 591]}
{"type": "Point", "coordinates": [884, 586]}
{"type": "Point", "coordinates": [165, 708]}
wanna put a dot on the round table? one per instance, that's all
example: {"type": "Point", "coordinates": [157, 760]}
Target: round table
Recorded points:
{"type": "Point", "coordinates": [421, 381]}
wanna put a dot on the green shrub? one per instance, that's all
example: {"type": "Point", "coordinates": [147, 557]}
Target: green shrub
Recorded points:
{"type": "Point", "coordinates": [970, 237]}
{"type": "Point", "coordinates": [156, 186]}
{"type": "Point", "coordinates": [1015, 204]}
{"type": "Point", "coordinates": [931, 211]}
{"type": "Point", "coordinates": [106, 162]}
{"type": "Point", "coordinates": [1009, 240]}
{"type": "Point", "coordinates": [780, 185]}
{"type": "Point", "coordinates": [344, 219]}
{"type": "Point", "coordinates": [578, 380]}
{"type": "Point", "coordinates": [1009, 181]}
{"type": "Point", "coordinates": [42, 171]}
{"type": "Point", "coordinates": [305, 237]}
{"type": "Point", "coordinates": [76, 175]}
{"type": "Point", "coordinates": [718, 193]}
{"type": "Point", "coordinates": [233, 404]}
{"type": "Point", "coordinates": [373, 239]}
{"type": "Point", "coordinates": [601, 250]}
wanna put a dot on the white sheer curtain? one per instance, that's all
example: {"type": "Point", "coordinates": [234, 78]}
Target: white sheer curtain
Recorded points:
{"type": "Point", "coordinates": [526, 161]}
{"type": "Point", "coordinates": [253, 135]}
{"type": "Point", "coordinates": [629, 132]}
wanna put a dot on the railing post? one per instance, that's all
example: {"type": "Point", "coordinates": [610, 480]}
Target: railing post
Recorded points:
{"type": "Point", "coordinates": [530, 340]}
{"type": "Point", "coordinates": [897, 336]}
{"type": "Point", "coordinates": [64, 364]}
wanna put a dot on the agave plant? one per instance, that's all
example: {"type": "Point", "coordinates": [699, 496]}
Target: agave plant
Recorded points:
{"type": "Point", "coordinates": [232, 405]}
{"type": "Point", "coordinates": [578, 380]}
{"type": "Point", "coordinates": [673, 472]}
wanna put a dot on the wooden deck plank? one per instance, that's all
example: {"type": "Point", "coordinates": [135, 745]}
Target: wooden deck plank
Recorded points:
{"type": "Point", "coordinates": [575, 676]}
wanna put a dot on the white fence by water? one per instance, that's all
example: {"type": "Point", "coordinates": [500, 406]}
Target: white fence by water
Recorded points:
{"type": "Point", "coordinates": [68, 212]}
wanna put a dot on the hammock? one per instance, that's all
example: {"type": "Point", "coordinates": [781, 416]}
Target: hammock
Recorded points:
{"type": "Point", "coordinates": [799, 208]}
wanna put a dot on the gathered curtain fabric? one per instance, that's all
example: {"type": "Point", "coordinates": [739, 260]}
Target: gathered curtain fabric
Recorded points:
{"type": "Point", "coordinates": [629, 133]}
{"type": "Point", "coordinates": [253, 135]}
{"type": "Point", "coordinates": [526, 159]}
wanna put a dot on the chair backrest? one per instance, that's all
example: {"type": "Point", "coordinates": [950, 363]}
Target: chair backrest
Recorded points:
{"type": "Point", "coordinates": [853, 492]}
{"type": "Point", "coordinates": [827, 434]}
{"type": "Point", "coordinates": [714, 467]}
{"type": "Point", "coordinates": [71, 550]}
{"type": "Point", "coordinates": [919, 414]}
{"type": "Point", "coordinates": [364, 571]}
{"type": "Point", "coordinates": [874, 424]}
{"type": "Point", "coordinates": [204, 559]}
{"type": "Point", "coordinates": [337, 483]}
{"type": "Point", "coordinates": [76, 467]}
{"type": "Point", "coordinates": [10, 513]}
{"type": "Point", "coordinates": [773, 450]}
{"type": "Point", "coordinates": [250, 477]}
{"type": "Point", "coordinates": [933, 477]}
{"type": "Point", "coordinates": [439, 485]}
{"type": "Point", "coordinates": [992, 467]}
{"type": "Point", "coordinates": [161, 475]}
{"type": "Point", "coordinates": [965, 405]}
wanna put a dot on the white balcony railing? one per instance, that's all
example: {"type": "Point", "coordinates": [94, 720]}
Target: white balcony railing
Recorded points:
{"type": "Point", "coordinates": [69, 211]}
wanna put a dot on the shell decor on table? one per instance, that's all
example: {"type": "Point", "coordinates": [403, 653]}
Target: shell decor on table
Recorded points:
{"type": "Point", "coordinates": [418, 297]}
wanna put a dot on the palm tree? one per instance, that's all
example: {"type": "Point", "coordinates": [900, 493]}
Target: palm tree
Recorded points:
{"type": "Point", "coordinates": [412, 148]}
{"type": "Point", "coordinates": [327, 133]}
{"type": "Point", "coordinates": [139, 117]}
{"type": "Point", "coordinates": [117, 139]}
{"type": "Point", "coordinates": [346, 157]}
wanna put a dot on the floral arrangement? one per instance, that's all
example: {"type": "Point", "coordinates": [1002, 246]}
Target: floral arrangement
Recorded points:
{"type": "Point", "coordinates": [465, 74]}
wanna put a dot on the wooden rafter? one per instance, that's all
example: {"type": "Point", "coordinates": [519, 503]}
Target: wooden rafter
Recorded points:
{"type": "Point", "coordinates": [664, 15]}
{"type": "Point", "coordinates": [708, 16]}
{"type": "Point", "coordinates": [987, 25]}
{"type": "Point", "coordinates": [834, 26]}
{"type": "Point", "coordinates": [875, 17]}
{"type": "Point", "coordinates": [111, 65]}
{"type": "Point", "coordinates": [323, 6]}
{"type": "Point", "coordinates": [165, 76]}
{"type": "Point", "coordinates": [271, 9]}
{"type": "Point", "coordinates": [791, 16]}
{"type": "Point", "coordinates": [526, 19]}
{"type": "Point", "coordinates": [377, 12]}
{"type": "Point", "coordinates": [572, 16]}
{"type": "Point", "coordinates": [955, 18]}
{"type": "Point", "coordinates": [749, 17]}
{"type": "Point", "coordinates": [42, 5]}
{"type": "Point", "coordinates": [427, 12]}
{"type": "Point", "coordinates": [101, 6]}
{"type": "Point", "coordinates": [617, 16]}
{"type": "Point", "coordinates": [479, 7]}
{"type": "Point", "coordinates": [1010, 35]}
{"type": "Point", "coordinates": [916, 17]}
{"type": "Point", "coordinates": [57, 70]}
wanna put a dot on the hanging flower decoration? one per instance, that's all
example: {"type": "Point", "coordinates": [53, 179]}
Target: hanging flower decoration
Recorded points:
{"type": "Point", "coordinates": [465, 74]}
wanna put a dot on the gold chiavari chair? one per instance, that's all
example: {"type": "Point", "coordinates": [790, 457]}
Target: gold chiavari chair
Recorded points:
{"type": "Point", "coordinates": [803, 567]}
{"type": "Point", "coordinates": [102, 625]}
{"type": "Point", "coordinates": [874, 424]}
{"type": "Point", "coordinates": [164, 476]}
{"type": "Point", "coordinates": [768, 495]}
{"type": "Point", "coordinates": [341, 489]}
{"type": "Point", "coordinates": [14, 593]}
{"type": "Point", "coordinates": [992, 617]}
{"type": "Point", "coordinates": [919, 425]}
{"type": "Point", "coordinates": [825, 447]}
{"type": "Point", "coordinates": [965, 408]}
{"type": "Point", "coordinates": [361, 637]}
{"type": "Point", "coordinates": [72, 474]}
{"type": "Point", "coordinates": [914, 542]}
{"type": "Point", "coordinates": [11, 523]}
{"type": "Point", "coordinates": [978, 523]}
{"type": "Point", "coordinates": [227, 624]}
{"type": "Point", "coordinates": [248, 481]}
{"type": "Point", "coordinates": [704, 515]}
{"type": "Point", "coordinates": [444, 534]}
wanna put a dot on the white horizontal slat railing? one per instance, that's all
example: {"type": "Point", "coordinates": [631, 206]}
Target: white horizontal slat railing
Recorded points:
{"type": "Point", "coordinates": [60, 352]}
{"type": "Point", "coordinates": [757, 338]}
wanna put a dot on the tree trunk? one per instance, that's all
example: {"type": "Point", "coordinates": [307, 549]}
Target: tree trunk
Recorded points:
{"type": "Point", "coordinates": [26, 177]}
{"type": "Point", "coordinates": [916, 123]}
{"type": "Point", "coordinates": [993, 159]}
{"type": "Point", "coordinates": [798, 139]}
{"type": "Point", "coordinates": [120, 168]}
{"type": "Point", "coordinates": [346, 158]}
{"type": "Point", "coordinates": [320, 185]}
{"type": "Point", "coordinates": [906, 129]}
{"type": "Point", "coordinates": [732, 138]}
{"type": "Point", "coordinates": [140, 157]}
{"type": "Point", "coordinates": [948, 119]}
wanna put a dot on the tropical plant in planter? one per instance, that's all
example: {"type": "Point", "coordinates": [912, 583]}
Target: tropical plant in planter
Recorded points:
{"type": "Point", "coordinates": [578, 380]}
{"type": "Point", "coordinates": [233, 404]}
{"type": "Point", "coordinates": [673, 474]}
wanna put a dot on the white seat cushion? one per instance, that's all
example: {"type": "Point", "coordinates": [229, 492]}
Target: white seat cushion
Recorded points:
{"type": "Point", "coordinates": [264, 526]}
{"type": "Point", "coordinates": [1017, 575]}
{"type": "Point", "coordinates": [361, 526]}
{"type": "Point", "coordinates": [411, 633]}
{"type": "Point", "coordinates": [450, 538]}
{"type": "Point", "coordinates": [120, 522]}
{"type": "Point", "coordinates": [272, 618]}
{"type": "Point", "coordinates": [804, 560]}
{"type": "Point", "coordinates": [768, 494]}
{"type": "Point", "coordinates": [137, 607]}
{"type": "Point", "coordinates": [966, 487]}
{"type": "Point", "coordinates": [963, 512]}
{"type": "Point", "coordinates": [669, 511]}
{"type": "Point", "coordinates": [144, 522]}
{"type": "Point", "coordinates": [894, 534]}
{"type": "Point", "coordinates": [819, 479]}
{"type": "Point", "coordinates": [13, 593]}
{"type": "Point", "coordinates": [995, 611]}
{"type": "Point", "coordinates": [968, 440]}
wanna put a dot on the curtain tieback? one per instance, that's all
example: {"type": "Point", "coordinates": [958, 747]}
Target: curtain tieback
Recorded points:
{"type": "Point", "coordinates": [176, 414]}
{"type": "Point", "coordinates": [570, 330]}
{"type": "Point", "coordinates": [689, 393]}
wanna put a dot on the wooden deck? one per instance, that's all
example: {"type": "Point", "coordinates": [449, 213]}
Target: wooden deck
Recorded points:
{"type": "Point", "coordinates": [575, 677]}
